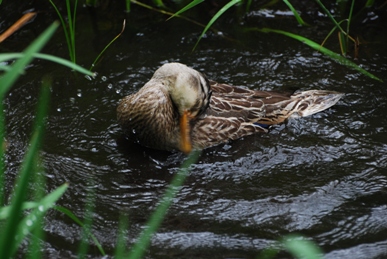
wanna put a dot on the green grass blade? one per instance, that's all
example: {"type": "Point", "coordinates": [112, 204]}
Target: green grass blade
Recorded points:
{"type": "Point", "coordinates": [330, 33]}
{"type": "Point", "coordinates": [158, 215]}
{"type": "Point", "coordinates": [69, 214]}
{"type": "Point", "coordinates": [7, 236]}
{"type": "Point", "coordinates": [127, 6]}
{"type": "Point", "coordinates": [88, 221]}
{"type": "Point", "coordinates": [30, 221]}
{"type": "Point", "coordinates": [73, 30]}
{"type": "Point", "coordinates": [342, 43]}
{"type": "Point", "coordinates": [3, 145]}
{"type": "Point", "coordinates": [63, 23]}
{"type": "Point", "coordinates": [16, 69]}
{"type": "Point", "coordinates": [72, 216]}
{"type": "Point", "coordinates": [92, 3]}
{"type": "Point", "coordinates": [108, 45]}
{"type": "Point", "coordinates": [58, 60]}
{"type": "Point", "coordinates": [71, 24]}
{"type": "Point", "coordinates": [216, 16]}
{"type": "Point", "coordinates": [187, 7]}
{"type": "Point", "coordinates": [248, 4]}
{"type": "Point", "coordinates": [330, 16]}
{"type": "Point", "coordinates": [64, 62]}
{"type": "Point", "coordinates": [6, 210]}
{"type": "Point", "coordinates": [158, 3]}
{"type": "Point", "coordinates": [121, 244]}
{"type": "Point", "coordinates": [349, 21]}
{"type": "Point", "coordinates": [302, 248]}
{"type": "Point", "coordinates": [9, 56]}
{"type": "Point", "coordinates": [324, 50]}
{"type": "Point", "coordinates": [295, 13]}
{"type": "Point", "coordinates": [368, 4]}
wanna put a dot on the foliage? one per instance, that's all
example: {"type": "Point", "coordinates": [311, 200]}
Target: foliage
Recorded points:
{"type": "Point", "coordinates": [343, 35]}
{"type": "Point", "coordinates": [70, 31]}
{"type": "Point", "coordinates": [16, 226]}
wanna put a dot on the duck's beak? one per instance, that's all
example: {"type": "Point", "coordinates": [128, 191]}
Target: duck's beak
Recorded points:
{"type": "Point", "coordinates": [185, 132]}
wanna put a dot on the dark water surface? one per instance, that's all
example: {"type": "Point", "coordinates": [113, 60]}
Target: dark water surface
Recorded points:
{"type": "Point", "coordinates": [323, 176]}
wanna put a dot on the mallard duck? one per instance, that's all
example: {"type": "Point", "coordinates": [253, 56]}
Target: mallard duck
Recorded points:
{"type": "Point", "coordinates": [180, 109]}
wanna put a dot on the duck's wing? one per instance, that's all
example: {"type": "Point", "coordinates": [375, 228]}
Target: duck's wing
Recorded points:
{"type": "Point", "coordinates": [268, 108]}
{"type": "Point", "coordinates": [249, 105]}
{"type": "Point", "coordinates": [235, 91]}
{"type": "Point", "coordinates": [212, 130]}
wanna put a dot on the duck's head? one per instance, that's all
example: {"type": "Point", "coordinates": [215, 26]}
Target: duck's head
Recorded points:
{"type": "Point", "coordinates": [190, 92]}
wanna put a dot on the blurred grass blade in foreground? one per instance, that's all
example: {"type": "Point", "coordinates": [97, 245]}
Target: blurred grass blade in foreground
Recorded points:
{"type": "Point", "coordinates": [158, 215]}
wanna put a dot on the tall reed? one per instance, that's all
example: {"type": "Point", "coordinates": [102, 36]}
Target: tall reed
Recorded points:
{"type": "Point", "coordinates": [69, 30]}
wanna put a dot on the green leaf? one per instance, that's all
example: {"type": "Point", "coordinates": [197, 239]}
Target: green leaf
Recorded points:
{"type": "Point", "coordinates": [72, 216]}
{"type": "Point", "coordinates": [330, 16]}
{"type": "Point", "coordinates": [121, 242]}
{"type": "Point", "coordinates": [302, 248]}
{"type": "Point", "coordinates": [322, 49]}
{"type": "Point", "coordinates": [187, 7]}
{"type": "Point", "coordinates": [216, 16]}
{"type": "Point", "coordinates": [157, 217]}
{"type": "Point", "coordinates": [28, 223]}
{"type": "Point", "coordinates": [108, 45]}
{"type": "Point", "coordinates": [295, 13]}
{"type": "Point", "coordinates": [368, 4]}
{"type": "Point", "coordinates": [61, 61]}
{"type": "Point", "coordinates": [8, 233]}
{"type": "Point", "coordinates": [5, 211]}
{"type": "Point", "coordinates": [87, 224]}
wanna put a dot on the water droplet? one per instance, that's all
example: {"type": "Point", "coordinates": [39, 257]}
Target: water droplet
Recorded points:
{"type": "Point", "coordinates": [104, 78]}
{"type": "Point", "coordinates": [79, 94]}
{"type": "Point", "coordinates": [29, 222]}
{"type": "Point", "coordinates": [41, 208]}
{"type": "Point", "coordinates": [110, 86]}
{"type": "Point", "coordinates": [94, 150]}
{"type": "Point", "coordinates": [118, 91]}
{"type": "Point", "coordinates": [59, 109]}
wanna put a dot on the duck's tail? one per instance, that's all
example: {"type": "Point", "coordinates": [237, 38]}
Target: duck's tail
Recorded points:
{"type": "Point", "coordinates": [300, 104]}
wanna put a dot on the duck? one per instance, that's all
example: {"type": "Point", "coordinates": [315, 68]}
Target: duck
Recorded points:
{"type": "Point", "coordinates": [179, 108]}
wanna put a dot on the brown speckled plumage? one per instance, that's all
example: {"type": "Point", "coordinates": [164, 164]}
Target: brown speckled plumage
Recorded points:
{"type": "Point", "coordinates": [220, 112]}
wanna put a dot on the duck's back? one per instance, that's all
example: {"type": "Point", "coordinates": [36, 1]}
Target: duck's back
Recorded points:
{"type": "Point", "coordinates": [235, 112]}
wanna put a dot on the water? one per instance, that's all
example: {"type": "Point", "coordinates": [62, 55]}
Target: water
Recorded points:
{"type": "Point", "coordinates": [323, 176]}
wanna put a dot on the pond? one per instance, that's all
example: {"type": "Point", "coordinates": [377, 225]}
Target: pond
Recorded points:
{"type": "Point", "coordinates": [323, 177]}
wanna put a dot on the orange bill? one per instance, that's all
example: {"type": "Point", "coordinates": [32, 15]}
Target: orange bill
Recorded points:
{"type": "Point", "coordinates": [185, 131]}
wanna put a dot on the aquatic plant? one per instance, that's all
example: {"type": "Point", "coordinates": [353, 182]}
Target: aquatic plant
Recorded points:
{"type": "Point", "coordinates": [344, 36]}
{"type": "Point", "coordinates": [70, 30]}
{"type": "Point", "coordinates": [15, 226]}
